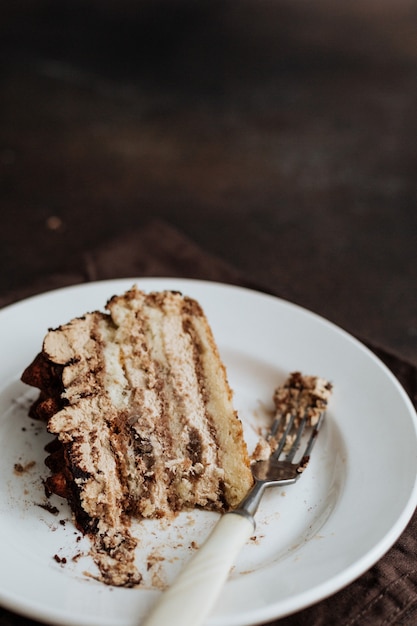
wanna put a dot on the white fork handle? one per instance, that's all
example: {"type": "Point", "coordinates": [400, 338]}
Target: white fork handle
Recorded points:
{"type": "Point", "coordinates": [191, 597]}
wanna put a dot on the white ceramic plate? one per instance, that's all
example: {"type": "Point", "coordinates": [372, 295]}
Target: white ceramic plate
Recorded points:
{"type": "Point", "coordinates": [312, 539]}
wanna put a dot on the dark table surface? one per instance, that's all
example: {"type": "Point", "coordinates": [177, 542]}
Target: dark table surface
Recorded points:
{"type": "Point", "coordinates": [280, 136]}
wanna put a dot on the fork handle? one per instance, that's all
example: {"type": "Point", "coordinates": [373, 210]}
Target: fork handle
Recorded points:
{"type": "Point", "coordinates": [189, 600]}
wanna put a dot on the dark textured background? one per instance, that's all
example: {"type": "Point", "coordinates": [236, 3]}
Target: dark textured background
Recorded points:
{"type": "Point", "coordinates": [279, 135]}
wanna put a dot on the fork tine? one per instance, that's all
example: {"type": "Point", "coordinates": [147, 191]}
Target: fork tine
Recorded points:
{"type": "Point", "coordinates": [302, 464]}
{"type": "Point", "coordinates": [298, 435]}
{"type": "Point", "coordinates": [313, 436]}
{"type": "Point", "coordinates": [296, 443]}
{"type": "Point", "coordinates": [283, 439]}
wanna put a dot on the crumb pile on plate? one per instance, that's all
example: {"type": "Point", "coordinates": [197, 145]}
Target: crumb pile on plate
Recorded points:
{"type": "Point", "coordinates": [139, 403]}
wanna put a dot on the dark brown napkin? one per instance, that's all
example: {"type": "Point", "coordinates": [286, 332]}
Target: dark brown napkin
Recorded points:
{"type": "Point", "coordinates": [383, 596]}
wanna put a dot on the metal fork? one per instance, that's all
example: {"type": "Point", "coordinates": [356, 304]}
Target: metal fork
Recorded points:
{"type": "Point", "coordinates": [189, 600]}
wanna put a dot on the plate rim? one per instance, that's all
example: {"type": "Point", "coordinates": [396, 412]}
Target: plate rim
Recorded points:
{"type": "Point", "coordinates": [309, 596]}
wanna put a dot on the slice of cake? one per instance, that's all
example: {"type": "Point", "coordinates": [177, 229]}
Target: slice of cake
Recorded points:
{"type": "Point", "coordinates": [142, 411]}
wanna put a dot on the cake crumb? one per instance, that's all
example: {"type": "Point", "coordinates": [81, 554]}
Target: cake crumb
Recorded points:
{"type": "Point", "coordinates": [20, 468]}
{"type": "Point", "coordinates": [60, 559]}
{"type": "Point", "coordinates": [302, 396]}
{"type": "Point", "coordinates": [48, 507]}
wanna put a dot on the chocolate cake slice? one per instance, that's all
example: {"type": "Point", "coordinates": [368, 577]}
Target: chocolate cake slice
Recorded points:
{"type": "Point", "coordinates": [142, 411]}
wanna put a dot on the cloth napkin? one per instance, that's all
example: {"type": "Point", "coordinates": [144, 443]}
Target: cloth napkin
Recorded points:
{"type": "Point", "coordinates": [386, 595]}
